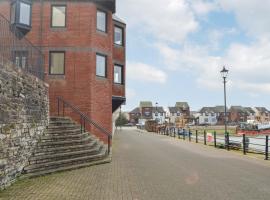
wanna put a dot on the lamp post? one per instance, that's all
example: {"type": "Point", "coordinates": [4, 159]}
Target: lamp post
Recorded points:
{"type": "Point", "coordinates": [224, 73]}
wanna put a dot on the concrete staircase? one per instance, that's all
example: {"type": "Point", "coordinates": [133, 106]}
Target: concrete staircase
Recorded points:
{"type": "Point", "coordinates": [64, 147]}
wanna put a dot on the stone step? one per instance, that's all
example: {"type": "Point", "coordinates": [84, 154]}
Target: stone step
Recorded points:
{"type": "Point", "coordinates": [65, 163]}
{"type": "Point", "coordinates": [65, 143]}
{"type": "Point", "coordinates": [63, 127]}
{"type": "Point", "coordinates": [37, 159]}
{"type": "Point", "coordinates": [64, 137]}
{"type": "Point", "coordinates": [60, 119]}
{"type": "Point", "coordinates": [54, 150]}
{"type": "Point", "coordinates": [62, 132]}
{"type": "Point", "coordinates": [66, 168]}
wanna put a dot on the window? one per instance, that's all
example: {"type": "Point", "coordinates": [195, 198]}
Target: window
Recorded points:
{"type": "Point", "coordinates": [13, 13]}
{"type": "Point", "coordinates": [58, 16]}
{"type": "Point", "coordinates": [21, 59]}
{"type": "Point", "coordinates": [101, 21]}
{"type": "Point", "coordinates": [25, 13]}
{"type": "Point", "coordinates": [101, 65]}
{"type": "Point", "coordinates": [118, 74]}
{"type": "Point", "coordinates": [57, 63]}
{"type": "Point", "coordinates": [118, 36]}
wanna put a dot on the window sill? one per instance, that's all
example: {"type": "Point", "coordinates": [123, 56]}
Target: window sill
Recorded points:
{"type": "Point", "coordinates": [58, 29]}
{"type": "Point", "coordinates": [119, 46]}
{"type": "Point", "coordinates": [101, 78]}
{"type": "Point", "coordinates": [102, 33]}
{"type": "Point", "coordinates": [54, 76]}
{"type": "Point", "coordinates": [119, 84]}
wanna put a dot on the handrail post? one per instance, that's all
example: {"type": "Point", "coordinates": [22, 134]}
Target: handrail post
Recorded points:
{"type": "Point", "coordinates": [63, 109]}
{"type": "Point", "coordinates": [215, 139]}
{"type": "Point", "coordinates": [109, 144]}
{"type": "Point", "coordinates": [244, 144]}
{"type": "Point", "coordinates": [196, 136]}
{"type": "Point", "coordinates": [58, 106]}
{"type": "Point", "coordinates": [81, 124]}
{"type": "Point", "coordinates": [267, 147]}
{"type": "Point", "coordinates": [84, 125]}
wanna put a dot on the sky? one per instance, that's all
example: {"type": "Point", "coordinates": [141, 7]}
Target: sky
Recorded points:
{"type": "Point", "coordinates": [177, 48]}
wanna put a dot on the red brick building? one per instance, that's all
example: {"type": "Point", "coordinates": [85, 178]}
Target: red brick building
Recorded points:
{"type": "Point", "coordinates": [83, 44]}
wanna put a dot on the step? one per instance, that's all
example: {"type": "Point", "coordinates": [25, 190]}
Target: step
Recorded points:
{"type": "Point", "coordinates": [65, 142]}
{"type": "Point", "coordinates": [65, 122]}
{"type": "Point", "coordinates": [62, 132]}
{"type": "Point", "coordinates": [64, 137]}
{"type": "Point", "coordinates": [66, 168]}
{"type": "Point", "coordinates": [54, 150]}
{"type": "Point", "coordinates": [55, 119]}
{"type": "Point", "coordinates": [63, 127]}
{"type": "Point", "coordinates": [61, 156]}
{"type": "Point", "coordinates": [65, 162]}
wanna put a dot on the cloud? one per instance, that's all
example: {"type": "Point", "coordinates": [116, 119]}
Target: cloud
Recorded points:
{"type": "Point", "coordinates": [202, 7]}
{"type": "Point", "coordinates": [248, 65]}
{"type": "Point", "coordinates": [252, 15]}
{"type": "Point", "coordinates": [165, 20]}
{"type": "Point", "coordinates": [147, 73]}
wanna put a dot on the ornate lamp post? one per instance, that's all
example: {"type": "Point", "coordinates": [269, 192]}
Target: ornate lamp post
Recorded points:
{"type": "Point", "coordinates": [224, 73]}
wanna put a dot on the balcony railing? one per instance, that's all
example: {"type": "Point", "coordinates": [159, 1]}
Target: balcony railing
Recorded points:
{"type": "Point", "coordinates": [16, 50]}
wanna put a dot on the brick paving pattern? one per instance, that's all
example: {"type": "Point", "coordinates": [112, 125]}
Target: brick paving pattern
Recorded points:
{"type": "Point", "coordinates": [146, 166]}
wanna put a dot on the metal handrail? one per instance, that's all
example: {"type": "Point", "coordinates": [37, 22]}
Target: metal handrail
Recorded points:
{"type": "Point", "coordinates": [83, 120]}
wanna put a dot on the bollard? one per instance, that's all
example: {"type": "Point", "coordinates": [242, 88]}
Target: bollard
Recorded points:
{"type": "Point", "coordinates": [189, 135]}
{"type": "Point", "coordinates": [196, 136]}
{"type": "Point", "coordinates": [266, 147]}
{"type": "Point", "coordinates": [244, 145]}
{"type": "Point", "coordinates": [204, 137]}
{"type": "Point", "coordinates": [215, 139]}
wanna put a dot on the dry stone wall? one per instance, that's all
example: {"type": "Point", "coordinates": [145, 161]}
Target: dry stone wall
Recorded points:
{"type": "Point", "coordinates": [24, 116]}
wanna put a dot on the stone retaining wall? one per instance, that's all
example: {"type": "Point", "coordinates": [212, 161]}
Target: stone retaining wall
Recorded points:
{"type": "Point", "coordinates": [24, 116]}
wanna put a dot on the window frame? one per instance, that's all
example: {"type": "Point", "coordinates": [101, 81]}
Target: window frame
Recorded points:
{"type": "Point", "coordinates": [106, 65]}
{"type": "Point", "coordinates": [122, 74]}
{"type": "Point", "coordinates": [50, 62]}
{"type": "Point", "coordinates": [58, 5]}
{"type": "Point", "coordinates": [106, 21]}
{"type": "Point", "coordinates": [122, 38]}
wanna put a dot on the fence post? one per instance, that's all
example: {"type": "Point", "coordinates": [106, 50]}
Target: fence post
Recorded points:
{"type": "Point", "coordinates": [204, 137]}
{"type": "Point", "coordinates": [196, 136]}
{"type": "Point", "coordinates": [184, 134]}
{"type": "Point", "coordinates": [266, 147]}
{"type": "Point", "coordinates": [244, 144]}
{"type": "Point", "coordinates": [178, 133]}
{"type": "Point", "coordinates": [167, 131]}
{"type": "Point", "coordinates": [109, 144]}
{"type": "Point", "coordinates": [215, 139]}
{"type": "Point", "coordinates": [189, 135]}
{"type": "Point", "coordinates": [228, 141]}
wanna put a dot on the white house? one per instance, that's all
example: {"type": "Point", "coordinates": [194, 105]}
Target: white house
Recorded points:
{"type": "Point", "coordinates": [207, 115]}
{"type": "Point", "coordinates": [159, 114]}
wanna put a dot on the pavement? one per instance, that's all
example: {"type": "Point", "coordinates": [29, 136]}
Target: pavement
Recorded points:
{"type": "Point", "coordinates": [147, 166]}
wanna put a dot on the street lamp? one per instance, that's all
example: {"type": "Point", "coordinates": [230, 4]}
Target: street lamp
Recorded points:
{"type": "Point", "coordinates": [224, 73]}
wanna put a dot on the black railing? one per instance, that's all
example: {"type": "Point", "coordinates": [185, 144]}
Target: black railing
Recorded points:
{"type": "Point", "coordinates": [17, 51]}
{"type": "Point", "coordinates": [246, 144]}
{"type": "Point", "coordinates": [61, 103]}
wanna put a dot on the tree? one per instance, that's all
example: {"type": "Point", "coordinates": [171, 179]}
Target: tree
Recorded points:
{"type": "Point", "coordinates": [121, 120]}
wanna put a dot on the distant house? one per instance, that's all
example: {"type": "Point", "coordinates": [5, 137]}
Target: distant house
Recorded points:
{"type": "Point", "coordinates": [146, 112]}
{"type": "Point", "coordinates": [179, 114]}
{"type": "Point", "coordinates": [237, 114]}
{"type": "Point", "coordinates": [207, 115]}
{"type": "Point", "coordinates": [262, 114]}
{"type": "Point", "coordinates": [159, 114]}
{"type": "Point", "coordinates": [134, 115]}
{"type": "Point", "coordinates": [251, 114]}
{"type": "Point", "coordinates": [220, 112]}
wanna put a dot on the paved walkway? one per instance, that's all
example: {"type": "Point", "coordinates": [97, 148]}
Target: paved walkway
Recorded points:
{"type": "Point", "coordinates": [153, 167]}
